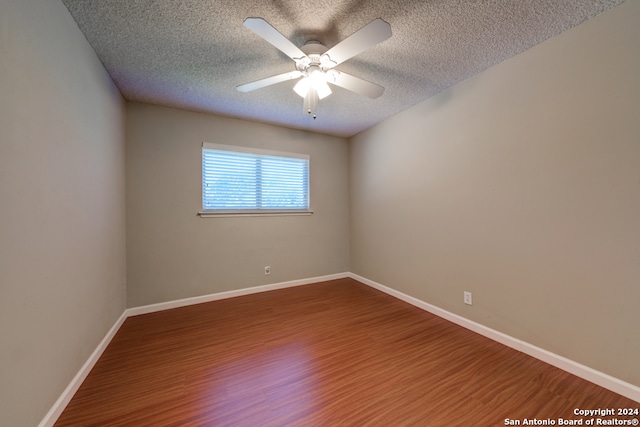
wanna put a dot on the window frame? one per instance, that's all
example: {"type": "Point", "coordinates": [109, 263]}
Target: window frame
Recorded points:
{"type": "Point", "coordinates": [206, 213]}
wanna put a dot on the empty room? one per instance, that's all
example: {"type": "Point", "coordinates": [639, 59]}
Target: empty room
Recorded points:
{"type": "Point", "coordinates": [329, 213]}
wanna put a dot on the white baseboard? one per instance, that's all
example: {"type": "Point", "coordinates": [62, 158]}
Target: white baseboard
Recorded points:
{"type": "Point", "coordinates": [229, 294]}
{"type": "Point", "coordinates": [600, 378]}
{"type": "Point", "coordinates": [64, 399]}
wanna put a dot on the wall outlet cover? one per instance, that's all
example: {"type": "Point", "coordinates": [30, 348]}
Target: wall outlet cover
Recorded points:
{"type": "Point", "coordinates": [468, 299]}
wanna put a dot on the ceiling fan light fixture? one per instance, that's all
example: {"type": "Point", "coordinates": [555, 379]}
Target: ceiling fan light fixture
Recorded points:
{"type": "Point", "coordinates": [322, 88]}
{"type": "Point", "coordinates": [302, 87]}
{"type": "Point", "coordinates": [316, 82]}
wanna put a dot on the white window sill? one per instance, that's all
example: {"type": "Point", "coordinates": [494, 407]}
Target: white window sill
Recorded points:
{"type": "Point", "coordinates": [261, 212]}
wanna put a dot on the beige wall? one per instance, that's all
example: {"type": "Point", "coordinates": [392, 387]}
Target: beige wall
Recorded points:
{"type": "Point", "coordinates": [521, 185]}
{"type": "Point", "coordinates": [62, 230]}
{"type": "Point", "coordinates": [172, 253]}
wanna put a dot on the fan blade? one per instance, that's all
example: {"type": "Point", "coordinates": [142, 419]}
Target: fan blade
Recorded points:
{"type": "Point", "coordinates": [273, 36]}
{"type": "Point", "coordinates": [357, 85]}
{"type": "Point", "coordinates": [368, 36]}
{"type": "Point", "coordinates": [248, 87]}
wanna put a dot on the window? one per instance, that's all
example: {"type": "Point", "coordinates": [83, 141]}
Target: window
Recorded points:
{"type": "Point", "coordinates": [241, 181]}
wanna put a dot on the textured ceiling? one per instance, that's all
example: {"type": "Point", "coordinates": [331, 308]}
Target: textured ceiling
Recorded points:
{"type": "Point", "coordinates": [192, 54]}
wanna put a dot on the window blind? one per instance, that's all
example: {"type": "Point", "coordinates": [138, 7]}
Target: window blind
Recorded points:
{"type": "Point", "coordinates": [241, 179]}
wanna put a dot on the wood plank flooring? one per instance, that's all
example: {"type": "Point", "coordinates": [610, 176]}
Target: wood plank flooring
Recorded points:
{"type": "Point", "coordinates": [337, 353]}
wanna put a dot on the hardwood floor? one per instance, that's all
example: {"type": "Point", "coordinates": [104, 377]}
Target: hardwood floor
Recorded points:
{"type": "Point", "coordinates": [337, 353]}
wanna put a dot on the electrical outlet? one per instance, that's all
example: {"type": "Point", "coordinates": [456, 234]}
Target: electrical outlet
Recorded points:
{"type": "Point", "coordinates": [267, 270]}
{"type": "Point", "coordinates": [467, 298]}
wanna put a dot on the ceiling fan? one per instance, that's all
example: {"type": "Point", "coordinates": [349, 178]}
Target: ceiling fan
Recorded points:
{"type": "Point", "coordinates": [315, 63]}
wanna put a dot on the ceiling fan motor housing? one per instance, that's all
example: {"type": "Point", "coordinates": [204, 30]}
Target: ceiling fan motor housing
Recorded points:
{"type": "Point", "coordinates": [315, 58]}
